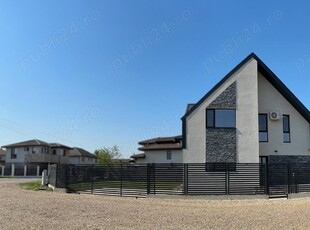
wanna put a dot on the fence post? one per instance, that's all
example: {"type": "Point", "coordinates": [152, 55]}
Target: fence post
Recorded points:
{"type": "Point", "coordinates": [121, 188]}
{"type": "Point", "coordinates": [38, 170]}
{"type": "Point", "coordinates": [25, 170]}
{"type": "Point", "coordinates": [154, 176]}
{"type": "Point", "coordinates": [66, 177]}
{"type": "Point", "coordinates": [288, 178]}
{"type": "Point", "coordinates": [148, 179]}
{"type": "Point", "coordinates": [2, 170]}
{"type": "Point", "coordinates": [13, 169]}
{"type": "Point", "coordinates": [185, 179]}
{"type": "Point", "coordinates": [92, 179]}
{"type": "Point", "coordinates": [227, 179]}
{"type": "Point", "coordinates": [56, 176]}
{"type": "Point", "coordinates": [266, 178]}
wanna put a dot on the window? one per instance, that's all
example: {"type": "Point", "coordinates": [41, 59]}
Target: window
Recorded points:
{"type": "Point", "coordinates": [221, 118]}
{"type": "Point", "coordinates": [286, 129]}
{"type": "Point", "coordinates": [54, 151]}
{"type": "Point", "coordinates": [168, 154]}
{"type": "Point", "coordinates": [263, 127]}
{"type": "Point", "coordinates": [26, 149]}
{"type": "Point", "coordinates": [13, 153]}
{"type": "Point", "coordinates": [82, 158]}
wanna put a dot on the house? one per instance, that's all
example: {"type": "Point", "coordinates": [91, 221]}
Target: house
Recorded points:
{"type": "Point", "coordinates": [2, 157]}
{"type": "Point", "coordinates": [160, 150]}
{"type": "Point", "coordinates": [250, 116]}
{"type": "Point", "coordinates": [79, 156]}
{"type": "Point", "coordinates": [35, 153]}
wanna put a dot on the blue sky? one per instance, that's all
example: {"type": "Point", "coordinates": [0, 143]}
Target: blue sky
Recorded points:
{"type": "Point", "coordinates": [99, 73]}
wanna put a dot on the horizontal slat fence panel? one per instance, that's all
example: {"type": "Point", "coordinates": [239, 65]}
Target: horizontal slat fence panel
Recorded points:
{"type": "Point", "coordinates": [247, 179]}
{"type": "Point", "coordinates": [186, 179]}
{"type": "Point", "coordinates": [166, 179]}
{"type": "Point", "coordinates": [202, 181]}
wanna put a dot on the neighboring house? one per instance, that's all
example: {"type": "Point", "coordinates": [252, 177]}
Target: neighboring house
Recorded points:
{"type": "Point", "coordinates": [160, 150]}
{"type": "Point", "coordinates": [250, 116]}
{"type": "Point", "coordinates": [2, 157]}
{"type": "Point", "coordinates": [79, 156]}
{"type": "Point", "coordinates": [36, 152]}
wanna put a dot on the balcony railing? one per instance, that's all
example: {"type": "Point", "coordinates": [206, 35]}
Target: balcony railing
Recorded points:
{"type": "Point", "coordinates": [46, 158]}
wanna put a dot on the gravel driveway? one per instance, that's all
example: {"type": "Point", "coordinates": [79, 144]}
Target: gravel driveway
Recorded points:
{"type": "Point", "coordinates": [22, 209]}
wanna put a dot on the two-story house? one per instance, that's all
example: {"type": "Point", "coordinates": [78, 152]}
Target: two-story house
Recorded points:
{"type": "Point", "coordinates": [36, 153]}
{"type": "Point", "coordinates": [250, 116]}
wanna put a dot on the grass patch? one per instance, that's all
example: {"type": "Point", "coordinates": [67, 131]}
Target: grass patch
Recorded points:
{"type": "Point", "coordinates": [33, 185]}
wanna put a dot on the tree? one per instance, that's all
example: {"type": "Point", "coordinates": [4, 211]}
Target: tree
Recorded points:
{"type": "Point", "coordinates": [107, 154]}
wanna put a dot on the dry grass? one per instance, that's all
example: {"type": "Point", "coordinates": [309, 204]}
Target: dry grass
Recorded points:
{"type": "Point", "coordinates": [24, 209]}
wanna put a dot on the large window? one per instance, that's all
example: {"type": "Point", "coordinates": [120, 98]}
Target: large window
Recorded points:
{"type": "Point", "coordinates": [221, 118]}
{"type": "Point", "coordinates": [263, 127]}
{"type": "Point", "coordinates": [286, 129]}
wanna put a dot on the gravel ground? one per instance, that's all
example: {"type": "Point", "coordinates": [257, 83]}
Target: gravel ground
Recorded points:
{"type": "Point", "coordinates": [22, 209]}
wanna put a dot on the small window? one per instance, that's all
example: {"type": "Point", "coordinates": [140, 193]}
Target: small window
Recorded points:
{"type": "Point", "coordinates": [263, 127]}
{"type": "Point", "coordinates": [169, 155]}
{"type": "Point", "coordinates": [286, 129]}
{"type": "Point", "coordinates": [83, 159]}
{"type": "Point", "coordinates": [54, 151]}
{"type": "Point", "coordinates": [221, 118]}
{"type": "Point", "coordinates": [13, 153]}
{"type": "Point", "coordinates": [26, 149]}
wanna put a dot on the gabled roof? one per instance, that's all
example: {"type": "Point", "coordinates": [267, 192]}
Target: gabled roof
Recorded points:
{"type": "Point", "coordinates": [139, 155]}
{"type": "Point", "coordinates": [57, 145]}
{"type": "Point", "coordinates": [79, 152]}
{"type": "Point", "coordinates": [270, 76]}
{"type": "Point", "coordinates": [161, 140]}
{"type": "Point", "coordinates": [34, 142]}
{"type": "Point", "coordinates": [162, 143]}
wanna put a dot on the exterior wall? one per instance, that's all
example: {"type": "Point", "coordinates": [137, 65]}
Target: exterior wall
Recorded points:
{"type": "Point", "coordinates": [20, 155]}
{"type": "Point", "coordinates": [78, 160]}
{"type": "Point", "coordinates": [160, 156]}
{"type": "Point", "coordinates": [221, 145]}
{"type": "Point", "coordinates": [246, 119]}
{"type": "Point", "coordinates": [35, 155]}
{"type": "Point", "coordinates": [282, 159]}
{"type": "Point", "coordinates": [271, 100]}
{"type": "Point", "coordinates": [221, 142]}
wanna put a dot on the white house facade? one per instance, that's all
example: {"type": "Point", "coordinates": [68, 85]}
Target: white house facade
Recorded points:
{"type": "Point", "coordinates": [250, 116]}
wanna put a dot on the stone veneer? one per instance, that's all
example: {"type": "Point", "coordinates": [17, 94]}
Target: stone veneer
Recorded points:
{"type": "Point", "coordinates": [221, 143]}
{"type": "Point", "coordinates": [288, 159]}
{"type": "Point", "coordinates": [227, 99]}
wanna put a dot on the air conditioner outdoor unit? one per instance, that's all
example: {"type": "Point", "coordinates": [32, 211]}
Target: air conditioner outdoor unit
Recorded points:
{"type": "Point", "coordinates": [274, 116]}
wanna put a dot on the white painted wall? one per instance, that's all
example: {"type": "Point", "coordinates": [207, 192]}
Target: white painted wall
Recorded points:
{"type": "Point", "coordinates": [76, 160]}
{"type": "Point", "coordinates": [160, 156]}
{"type": "Point", "coordinates": [271, 100]}
{"type": "Point", "coordinates": [246, 119]}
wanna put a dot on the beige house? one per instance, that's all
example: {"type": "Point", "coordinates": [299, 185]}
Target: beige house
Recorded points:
{"type": "Point", "coordinates": [79, 156]}
{"type": "Point", "coordinates": [250, 116]}
{"type": "Point", "coordinates": [160, 150]}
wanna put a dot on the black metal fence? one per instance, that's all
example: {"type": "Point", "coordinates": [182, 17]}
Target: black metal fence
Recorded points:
{"type": "Point", "coordinates": [186, 179]}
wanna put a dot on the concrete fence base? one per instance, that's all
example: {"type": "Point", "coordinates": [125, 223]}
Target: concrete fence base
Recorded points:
{"type": "Point", "coordinates": [13, 169]}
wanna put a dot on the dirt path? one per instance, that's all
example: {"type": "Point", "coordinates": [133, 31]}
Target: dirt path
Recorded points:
{"type": "Point", "coordinates": [21, 209]}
